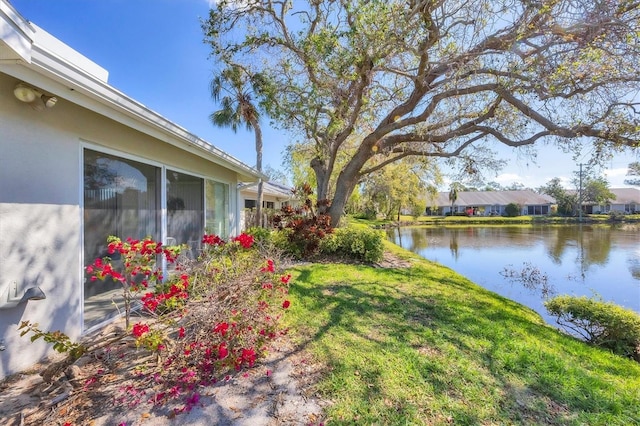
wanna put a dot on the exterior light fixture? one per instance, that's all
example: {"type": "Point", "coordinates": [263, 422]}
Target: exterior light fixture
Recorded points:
{"type": "Point", "coordinates": [33, 96]}
{"type": "Point", "coordinates": [49, 101]}
{"type": "Point", "coordinates": [32, 293]}
{"type": "Point", "coordinates": [25, 93]}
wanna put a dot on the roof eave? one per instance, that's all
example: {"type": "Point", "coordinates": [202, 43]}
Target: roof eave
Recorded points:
{"type": "Point", "coordinates": [39, 65]}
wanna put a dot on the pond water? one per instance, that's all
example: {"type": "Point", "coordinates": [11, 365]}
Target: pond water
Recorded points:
{"type": "Point", "coordinates": [527, 263]}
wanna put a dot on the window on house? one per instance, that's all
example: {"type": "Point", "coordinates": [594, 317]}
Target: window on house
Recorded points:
{"type": "Point", "coordinates": [250, 204]}
{"type": "Point", "coordinates": [269, 204]}
{"type": "Point", "coordinates": [185, 208]}
{"type": "Point", "coordinates": [121, 198]}
{"type": "Point", "coordinates": [537, 210]}
{"type": "Point", "coordinates": [217, 208]}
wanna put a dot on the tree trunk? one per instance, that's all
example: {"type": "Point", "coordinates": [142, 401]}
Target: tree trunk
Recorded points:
{"type": "Point", "coordinates": [348, 179]}
{"type": "Point", "coordinates": [258, 134]}
{"type": "Point", "coordinates": [344, 187]}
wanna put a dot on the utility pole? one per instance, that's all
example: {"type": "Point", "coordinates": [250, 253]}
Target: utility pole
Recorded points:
{"type": "Point", "coordinates": [580, 196]}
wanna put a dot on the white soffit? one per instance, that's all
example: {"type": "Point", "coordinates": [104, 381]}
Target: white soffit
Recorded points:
{"type": "Point", "coordinates": [29, 53]}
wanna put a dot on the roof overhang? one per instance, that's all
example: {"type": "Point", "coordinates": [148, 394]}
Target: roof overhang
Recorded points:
{"type": "Point", "coordinates": [34, 56]}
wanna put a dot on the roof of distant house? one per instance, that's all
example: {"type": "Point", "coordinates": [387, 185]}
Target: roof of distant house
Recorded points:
{"type": "Point", "coordinates": [626, 195]}
{"type": "Point", "coordinates": [271, 188]}
{"type": "Point", "coordinates": [623, 195]}
{"type": "Point", "coordinates": [490, 198]}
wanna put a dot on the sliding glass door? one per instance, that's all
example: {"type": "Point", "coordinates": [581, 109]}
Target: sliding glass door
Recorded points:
{"type": "Point", "coordinates": [121, 198]}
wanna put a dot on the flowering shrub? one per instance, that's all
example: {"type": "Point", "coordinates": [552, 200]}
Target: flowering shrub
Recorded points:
{"type": "Point", "coordinates": [138, 270]}
{"type": "Point", "coordinates": [227, 329]}
{"type": "Point", "coordinates": [303, 227]}
{"type": "Point", "coordinates": [201, 327]}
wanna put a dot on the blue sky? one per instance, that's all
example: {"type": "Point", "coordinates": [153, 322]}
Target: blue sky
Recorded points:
{"type": "Point", "coordinates": [154, 53]}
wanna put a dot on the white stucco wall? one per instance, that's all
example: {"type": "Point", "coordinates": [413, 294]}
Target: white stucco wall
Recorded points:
{"type": "Point", "coordinates": [40, 209]}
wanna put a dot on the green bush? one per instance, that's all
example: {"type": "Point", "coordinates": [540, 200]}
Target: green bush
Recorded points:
{"type": "Point", "coordinates": [260, 235]}
{"type": "Point", "coordinates": [368, 214]}
{"type": "Point", "coordinates": [600, 323]}
{"type": "Point", "coordinates": [512, 210]}
{"type": "Point", "coordinates": [362, 244]}
{"type": "Point", "coordinates": [281, 241]}
{"type": "Point", "coordinates": [417, 210]}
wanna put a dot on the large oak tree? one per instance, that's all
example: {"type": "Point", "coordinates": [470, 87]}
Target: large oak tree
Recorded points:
{"type": "Point", "coordinates": [436, 78]}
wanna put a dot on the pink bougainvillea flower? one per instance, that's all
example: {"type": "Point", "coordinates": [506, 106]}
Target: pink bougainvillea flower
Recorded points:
{"type": "Point", "coordinates": [286, 304]}
{"type": "Point", "coordinates": [222, 350]}
{"type": "Point", "coordinates": [193, 399]}
{"type": "Point", "coordinates": [270, 267]}
{"type": "Point", "coordinates": [285, 279]}
{"type": "Point", "coordinates": [245, 240]}
{"type": "Point", "coordinates": [212, 240]}
{"type": "Point", "coordinates": [140, 329]}
{"type": "Point", "coordinates": [248, 356]}
{"type": "Point", "coordinates": [221, 328]}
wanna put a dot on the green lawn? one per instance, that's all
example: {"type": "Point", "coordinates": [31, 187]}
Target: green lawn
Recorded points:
{"type": "Point", "coordinates": [425, 346]}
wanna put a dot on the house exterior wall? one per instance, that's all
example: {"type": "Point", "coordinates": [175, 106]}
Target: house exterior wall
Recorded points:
{"type": "Point", "coordinates": [266, 198]}
{"type": "Point", "coordinates": [41, 197]}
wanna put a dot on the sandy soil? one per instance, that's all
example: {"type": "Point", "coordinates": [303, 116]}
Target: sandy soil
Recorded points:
{"type": "Point", "coordinates": [277, 391]}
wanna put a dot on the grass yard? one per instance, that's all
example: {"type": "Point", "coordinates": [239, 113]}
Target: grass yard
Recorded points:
{"type": "Point", "coordinates": [425, 346]}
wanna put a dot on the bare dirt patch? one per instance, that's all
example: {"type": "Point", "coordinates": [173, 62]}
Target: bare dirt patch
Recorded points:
{"type": "Point", "coordinates": [98, 390]}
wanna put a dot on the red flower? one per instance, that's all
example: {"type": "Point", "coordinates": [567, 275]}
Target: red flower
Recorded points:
{"type": "Point", "coordinates": [181, 332]}
{"type": "Point", "coordinates": [245, 240]}
{"type": "Point", "coordinates": [285, 279]}
{"type": "Point", "coordinates": [269, 268]}
{"type": "Point", "coordinates": [212, 240]}
{"type": "Point", "coordinates": [222, 350]}
{"type": "Point", "coordinates": [248, 356]}
{"type": "Point", "coordinates": [140, 329]}
{"type": "Point", "coordinates": [286, 304]}
{"type": "Point", "coordinates": [150, 302]}
{"type": "Point", "coordinates": [221, 328]}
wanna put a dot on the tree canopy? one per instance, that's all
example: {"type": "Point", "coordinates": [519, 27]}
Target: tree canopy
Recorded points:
{"type": "Point", "coordinates": [567, 202]}
{"type": "Point", "coordinates": [436, 78]}
{"type": "Point", "coordinates": [399, 186]}
{"type": "Point", "coordinates": [234, 88]}
{"type": "Point", "coordinates": [633, 174]}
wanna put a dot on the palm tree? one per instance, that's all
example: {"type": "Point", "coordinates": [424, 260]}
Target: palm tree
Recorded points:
{"type": "Point", "coordinates": [234, 89]}
{"type": "Point", "coordinates": [453, 194]}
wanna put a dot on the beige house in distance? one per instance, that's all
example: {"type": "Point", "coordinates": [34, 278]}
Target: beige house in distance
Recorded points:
{"type": "Point", "coordinates": [488, 203]}
{"type": "Point", "coordinates": [627, 201]}
{"type": "Point", "coordinates": [274, 197]}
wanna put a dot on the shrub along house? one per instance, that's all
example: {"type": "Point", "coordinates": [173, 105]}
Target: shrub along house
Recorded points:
{"type": "Point", "coordinates": [80, 161]}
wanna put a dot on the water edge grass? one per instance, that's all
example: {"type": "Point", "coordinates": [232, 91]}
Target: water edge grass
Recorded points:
{"type": "Point", "coordinates": [424, 345]}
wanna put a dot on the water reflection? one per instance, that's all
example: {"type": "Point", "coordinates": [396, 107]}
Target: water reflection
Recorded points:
{"type": "Point", "coordinates": [587, 260]}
